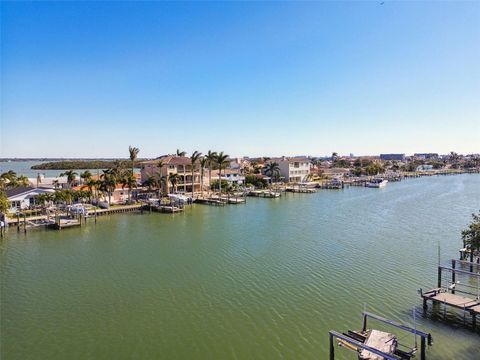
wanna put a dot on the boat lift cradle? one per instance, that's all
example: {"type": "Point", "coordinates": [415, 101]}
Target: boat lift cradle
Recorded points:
{"type": "Point", "coordinates": [355, 341]}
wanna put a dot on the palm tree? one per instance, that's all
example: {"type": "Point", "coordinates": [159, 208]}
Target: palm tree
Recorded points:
{"type": "Point", "coordinates": [193, 159]}
{"type": "Point", "coordinates": [160, 166]}
{"type": "Point", "coordinates": [273, 169]}
{"type": "Point", "coordinates": [8, 179]}
{"type": "Point", "coordinates": [174, 180]}
{"type": "Point", "coordinates": [71, 176]}
{"type": "Point", "coordinates": [108, 183]}
{"type": "Point", "coordinates": [471, 236]}
{"type": "Point", "coordinates": [181, 153]}
{"type": "Point", "coordinates": [22, 181]}
{"type": "Point", "coordinates": [150, 182]}
{"type": "Point", "coordinates": [211, 158]}
{"type": "Point", "coordinates": [129, 181]}
{"type": "Point", "coordinates": [91, 184]}
{"type": "Point", "coordinates": [203, 165]}
{"type": "Point", "coordinates": [164, 182]}
{"type": "Point", "coordinates": [85, 176]}
{"type": "Point", "coordinates": [222, 162]}
{"type": "Point", "coordinates": [133, 155]}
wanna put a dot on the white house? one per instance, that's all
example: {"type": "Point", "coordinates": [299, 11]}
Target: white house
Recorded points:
{"type": "Point", "coordinates": [296, 169]}
{"type": "Point", "coordinates": [23, 197]}
{"type": "Point", "coordinates": [233, 176]}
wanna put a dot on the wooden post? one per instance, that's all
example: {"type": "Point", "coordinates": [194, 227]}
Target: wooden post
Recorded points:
{"type": "Point", "coordinates": [332, 348]}
{"type": "Point", "coordinates": [25, 223]}
{"type": "Point", "coordinates": [364, 325]}
{"type": "Point", "coordinates": [474, 320]}
{"type": "Point", "coordinates": [18, 222]}
{"type": "Point", "coordinates": [439, 282]}
{"type": "Point", "coordinates": [422, 348]}
{"type": "Point", "coordinates": [453, 276]}
{"type": "Point", "coordinates": [471, 259]}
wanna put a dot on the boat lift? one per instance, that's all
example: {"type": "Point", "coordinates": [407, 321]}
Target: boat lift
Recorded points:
{"type": "Point", "coordinates": [361, 342]}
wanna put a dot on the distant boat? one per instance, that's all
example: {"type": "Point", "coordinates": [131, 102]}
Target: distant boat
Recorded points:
{"type": "Point", "coordinates": [377, 183]}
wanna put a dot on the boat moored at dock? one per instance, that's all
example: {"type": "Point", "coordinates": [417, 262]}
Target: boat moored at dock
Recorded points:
{"type": "Point", "coordinates": [377, 183]}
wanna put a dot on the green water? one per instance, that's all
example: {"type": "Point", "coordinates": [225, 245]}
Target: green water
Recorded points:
{"type": "Point", "coordinates": [265, 280]}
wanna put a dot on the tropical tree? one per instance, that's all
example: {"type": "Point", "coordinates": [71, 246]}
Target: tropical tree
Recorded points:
{"type": "Point", "coordinates": [334, 156]}
{"type": "Point", "coordinates": [211, 158]}
{"type": "Point", "coordinates": [129, 181]}
{"type": "Point", "coordinates": [85, 176]}
{"type": "Point", "coordinates": [8, 179]}
{"type": "Point", "coordinates": [133, 151]}
{"type": "Point", "coordinates": [181, 153]}
{"type": "Point", "coordinates": [55, 184]}
{"type": "Point", "coordinates": [222, 161]}
{"type": "Point", "coordinates": [163, 183]}
{"type": "Point", "coordinates": [471, 235]}
{"type": "Point", "coordinates": [71, 176]}
{"type": "Point", "coordinates": [160, 166]}
{"type": "Point", "coordinates": [173, 178]}
{"type": "Point", "coordinates": [203, 165]}
{"type": "Point", "coordinates": [272, 169]}
{"type": "Point", "coordinates": [150, 182]}
{"type": "Point", "coordinates": [22, 181]}
{"type": "Point", "coordinates": [4, 203]}
{"type": "Point", "coordinates": [108, 183]}
{"type": "Point", "coordinates": [193, 159]}
{"type": "Point", "coordinates": [92, 184]}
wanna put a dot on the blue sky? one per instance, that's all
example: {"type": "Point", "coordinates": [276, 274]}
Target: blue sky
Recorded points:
{"type": "Point", "coordinates": [87, 79]}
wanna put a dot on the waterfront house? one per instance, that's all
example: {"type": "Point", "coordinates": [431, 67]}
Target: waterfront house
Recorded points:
{"type": "Point", "coordinates": [21, 198]}
{"type": "Point", "coordinates": [173, 164]}
{"type": "Point", "coordinates": [232, 176]}
{"type": "Point", "coordinates": [294, 169]}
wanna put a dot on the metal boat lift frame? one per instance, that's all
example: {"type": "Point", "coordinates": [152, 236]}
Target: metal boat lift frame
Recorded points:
{"type": "Point", "coordinates": [424, 338]}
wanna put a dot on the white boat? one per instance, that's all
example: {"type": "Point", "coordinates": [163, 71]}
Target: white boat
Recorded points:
{"type": "Point", "coordinates": [180, 199]}
{"type": "Point", "coordinates": [77, 209]}
{"type": "Point", "coordinates": [377, 183]}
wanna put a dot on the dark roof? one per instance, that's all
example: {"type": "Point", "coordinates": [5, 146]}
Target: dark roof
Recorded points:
{"type": "Point", "coordinates": [18, 190]}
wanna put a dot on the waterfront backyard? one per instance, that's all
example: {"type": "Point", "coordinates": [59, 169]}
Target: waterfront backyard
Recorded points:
{"type": "Point", "coordinates": [266, 280]}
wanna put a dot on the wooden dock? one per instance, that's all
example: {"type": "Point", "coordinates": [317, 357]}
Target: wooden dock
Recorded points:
{"type": "Point", "coordinates": [448, 295]}
{"type": "Point", "coordinates": [60, 224]}
{"type": "Point", "coordinates": [265, 194]}
{"type": "Point", "coordinates": [210, 201]}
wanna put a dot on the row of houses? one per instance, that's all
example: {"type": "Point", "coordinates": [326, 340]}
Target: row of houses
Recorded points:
{"type": "Point", "coordinates": [290, 170]}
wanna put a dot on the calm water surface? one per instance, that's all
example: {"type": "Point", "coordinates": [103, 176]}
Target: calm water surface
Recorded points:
{"type": "Point", "coordinates": [264, 280]}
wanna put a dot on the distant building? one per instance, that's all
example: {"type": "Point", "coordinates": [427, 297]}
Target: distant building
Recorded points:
{"type": "Point", "coordinates": [398, 157]}
{"type": "Point", "coordinates": [425, 156]}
